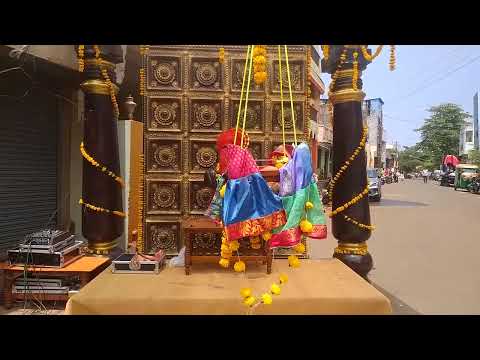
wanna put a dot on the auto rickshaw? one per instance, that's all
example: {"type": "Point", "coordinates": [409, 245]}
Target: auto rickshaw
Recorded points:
{"type": "Point", "coordinates": [464, 174]}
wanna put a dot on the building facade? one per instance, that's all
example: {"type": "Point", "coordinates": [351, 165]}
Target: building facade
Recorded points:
{"type": "Point", "coordinates": [320, 119]}
{"type": "Point", "coordinates": [375, 147]}
{"type": "Point", "coordinates": [467, 138]}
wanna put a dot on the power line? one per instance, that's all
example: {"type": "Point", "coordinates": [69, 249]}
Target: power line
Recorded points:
{"type": "Point", "coordinates": [441, 78]}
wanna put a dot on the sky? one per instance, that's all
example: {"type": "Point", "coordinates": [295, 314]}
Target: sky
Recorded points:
{"type": "Point", "coordinates": [425, 75]}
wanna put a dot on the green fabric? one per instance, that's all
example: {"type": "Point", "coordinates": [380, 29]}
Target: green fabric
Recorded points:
{"type": "Point", "coordinates": [294, 206]}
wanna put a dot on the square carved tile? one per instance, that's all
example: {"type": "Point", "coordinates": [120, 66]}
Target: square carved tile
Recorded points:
{"type": "Point", "coordinates": [164, 114]}
{"type": "Point", "coordinates": [200, 197]}
{"type": "Point", "coordinates": [164, 73]}
{"type": "Point", "coordinates": [206, 74]}
{"type": "Point", "coordinates": [203, 155]}
{"type": "Point", "coordinates": [164, 197]}
{"type": "Point", "coordinates": [277, 117]}
{"type": "Point", "coordinates": [206, 244]}
{"type": "Point", "coordinates": [237, 69]}
{"type": "Point", "coordinates": [255, 120]}
{"type": "Point", "coordinates": [163, 155]}
{"type": "Point", "coordinates": [256, 148]}
{"type": "Point", "coordinates": [162, 235]}
{"type": "Point", "coordinates": [206, 115]}
{"type": "Point", "coordinates": [297, 77]}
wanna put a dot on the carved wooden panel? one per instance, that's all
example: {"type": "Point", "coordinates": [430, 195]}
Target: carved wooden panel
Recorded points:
{"type": "Point", "coordinates": [254, 122]}
{"type": "Point", "coordinates": [277, 117]}
{"type": "Point", "coordinates": [206, 244]}
{"type": "Point", "coordinates": [206, 74]}
{"type": "Point", "coordinates": [164, 73]}
{"type": "Point", "coordinates": [297, 77]}
{"type": "Point", "coordinates": [206, 115]}
{"type": "Point", "coordinates": [163, 155]}
{"type": "Point", "coordinates": [164, 196]}
{"type": "Point", "coordinates": [162, 235]}
{"type": "Point", "coordinates": [203, 155]}
{"type": "Point", "coordinates": [200, 197]}
{"type": "Point", "coordinates": [190, 98]}
{"type": "Point", "coordinates": [165, 114]}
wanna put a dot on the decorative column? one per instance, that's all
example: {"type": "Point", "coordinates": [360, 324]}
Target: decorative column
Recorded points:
{"type": "Point", "coordinates": [349, 187]}
{"type": "Point", "coordinates": [102, 215]}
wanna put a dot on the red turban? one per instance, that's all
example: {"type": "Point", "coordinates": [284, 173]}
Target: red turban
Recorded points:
{"type": "Point", "coordinates": [228, 137]}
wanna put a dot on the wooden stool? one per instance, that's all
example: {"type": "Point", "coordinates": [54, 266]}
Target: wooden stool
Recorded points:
{"type": "Point", "coordinates": [205, 225]}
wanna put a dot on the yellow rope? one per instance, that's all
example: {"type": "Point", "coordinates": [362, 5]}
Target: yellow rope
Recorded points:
{"type": "Point", "coordinates": [280, 75]}
{"type": "Point", "coordinates": [246, 96]}
{"type": "Point", "coordinates": [291, 96]}
{"type": "Point", "coordinates": [241, 94]}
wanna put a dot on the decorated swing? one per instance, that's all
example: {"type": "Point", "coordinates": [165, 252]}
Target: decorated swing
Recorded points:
{"type": "Point", "coordinates": [246, 205]}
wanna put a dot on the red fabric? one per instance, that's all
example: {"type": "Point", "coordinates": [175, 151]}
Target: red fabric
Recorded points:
{"type": "Point", "coordinates": [451, 160]}
{"type": "Point", "coordinates": [237, 162]}
{"type": "Point", "coordinates": [228, 137]}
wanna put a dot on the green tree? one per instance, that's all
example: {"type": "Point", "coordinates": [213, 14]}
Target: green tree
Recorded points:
{"type": "Point", "coordinates": [440, 133]}
{"type": "Point", "coordinates": [474, 157]}
{"type": "Point", "coordinates": [410, 158]}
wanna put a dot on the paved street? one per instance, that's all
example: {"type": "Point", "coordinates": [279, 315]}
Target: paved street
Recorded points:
{"type": "Point", "coordinates": [425, 247]}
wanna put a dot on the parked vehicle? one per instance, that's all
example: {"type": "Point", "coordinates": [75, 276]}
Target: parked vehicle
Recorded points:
{"type": "Point", "coordinates": [447, 179]}
{"type": "Point", "coordinates": [464, 174]}
{"type": "Point", "coordinates": [475, 185]}
{"type": "Point", "coordinates": [437, 175]}
{"type": "Point", "coordinates": [374, 185]}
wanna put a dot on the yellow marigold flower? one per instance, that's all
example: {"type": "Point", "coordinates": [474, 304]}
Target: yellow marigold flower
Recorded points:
{"type": "Point", "coordinates": [300, 248]}
{"type": "Point", "coordinates": [309, 205]}
{"type": "Point", "coordinates": [224, 263]}
{"type": "Point", "coordinates": [275, 289]}
{"type": "Point", "coordinates": [255, 240]}
{"type": "Point", "coordinates": [234, 245]}
{"type": "Point", "coordinates": [249, 301]}
{"type": "Point", "coordinates": [239, 266]}
{"type": "Point", "coordinates": [293, 261]}
{"type": "Point", "coordinates": [283, 278]}
{"type": "Point", "coordinates": [222, 190]}
{"type": "Point", "coordinates": [225, 248]}
{"type": "Point", "coordinates": [246, 292]}
{"type": "Point", "coordinates": [225, 254]}
{"type": "Point", "coordinates": [306, 226]}
{"type": "Point", "coordinates": [260, 59]}
{"type": "Point", "coordinates": [267, 299]}
{"type": "Point", "coordinates": [267, 235]}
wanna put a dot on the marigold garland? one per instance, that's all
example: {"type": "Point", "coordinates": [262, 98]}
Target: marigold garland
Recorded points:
{"type": "Point", "coordinates": [392, 58]}
{"type": "Point", "coordinates": [95, 163]}
{"type": "Point", "coordinates": [343, 57]}
{"type": "Point", "coordinates": [221, 55]}
{"type": "Point", "coordinates": [100, 209]}
{"type": "Point", "coordinates": [116, 110]}
{"type": "Point", "coordinates": [359, 224]}
{"type": "Point", "coordinates": [326, 51]}
{"type": "Point", "coordinates": [355, 71]}
{"type": "Point", "coordinates": [259, 64]}
{"type": "Point", "coordinates": [81, 56]}
{"type": "Point", "coordinates": [369, 57]}
{"type": "Point", "coordinates": [142, 82]}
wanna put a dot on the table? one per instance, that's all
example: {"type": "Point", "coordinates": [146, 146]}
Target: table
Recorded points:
{"type": "Point", "coordinates": [87, 267]}
{"type": "Point", "coordinates": [205, 225]}
{"type": "Point", "coordinates": [317, 287]}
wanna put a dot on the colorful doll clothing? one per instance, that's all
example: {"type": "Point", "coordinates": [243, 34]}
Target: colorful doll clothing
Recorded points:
{"type": "Point", "coordinates": [297, 187]}
{"type": "Point", "coordinates": [250, 208]}
{"type": "Point", "coordinates": [214, 210]}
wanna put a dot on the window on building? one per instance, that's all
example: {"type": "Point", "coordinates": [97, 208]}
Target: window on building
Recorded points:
{"type": "Point", "coordinates": [315, 55]}
{"type": "Point", "coordinates": [468, 136]}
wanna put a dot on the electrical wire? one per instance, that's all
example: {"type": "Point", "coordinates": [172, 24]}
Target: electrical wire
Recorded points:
{"type": "Point", "coordinates": [471, 61]}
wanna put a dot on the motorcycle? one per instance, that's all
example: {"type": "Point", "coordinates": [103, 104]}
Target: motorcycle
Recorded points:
{"type": "Point", "coordinates": [474, 186]}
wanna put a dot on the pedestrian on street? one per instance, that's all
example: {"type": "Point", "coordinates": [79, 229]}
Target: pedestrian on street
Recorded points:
{"type": "Point", "coordinates": [425, 175]}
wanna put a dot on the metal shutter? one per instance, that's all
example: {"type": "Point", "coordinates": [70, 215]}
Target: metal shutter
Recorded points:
{"type": "Point", "coordinates": [28, 166]}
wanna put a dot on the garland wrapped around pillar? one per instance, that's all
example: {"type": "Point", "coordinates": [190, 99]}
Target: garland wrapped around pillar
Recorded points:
{"type": "Point", "coordinates": [102, 215]}
{"type": "Point", "coordinates": [349, 187]}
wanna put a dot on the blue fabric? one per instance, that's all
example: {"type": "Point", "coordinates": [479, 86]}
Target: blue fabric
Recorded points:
{"type": "Point", "coordinates": [247, 198]}
{"type": "Point", "coordinates": [297, 173]}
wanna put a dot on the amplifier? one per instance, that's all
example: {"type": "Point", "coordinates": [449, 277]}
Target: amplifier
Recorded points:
{"type": "Point", "coordinates": [46, 237]}
{"type": "Point", "coordinates": [48, 249]}
{"type": "Point", "coordinates": [57, 259]}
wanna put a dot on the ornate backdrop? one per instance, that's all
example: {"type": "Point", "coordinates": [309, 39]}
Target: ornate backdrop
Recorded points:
{"type": "Point", "coordinates": [189, 98]}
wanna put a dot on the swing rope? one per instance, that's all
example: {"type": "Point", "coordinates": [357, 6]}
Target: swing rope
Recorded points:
{"type": "Point", "coordinates": [249, 49]}
{"type": "Point", "coordinates": [248, 92]}
{"type": "Point", "coordinates": [291, 96]}
{"type": "Point", "coordinates": [280, 76]}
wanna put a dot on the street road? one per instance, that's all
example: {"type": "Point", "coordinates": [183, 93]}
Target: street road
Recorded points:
{"type": "Point", "coordinates": [425, 248]}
